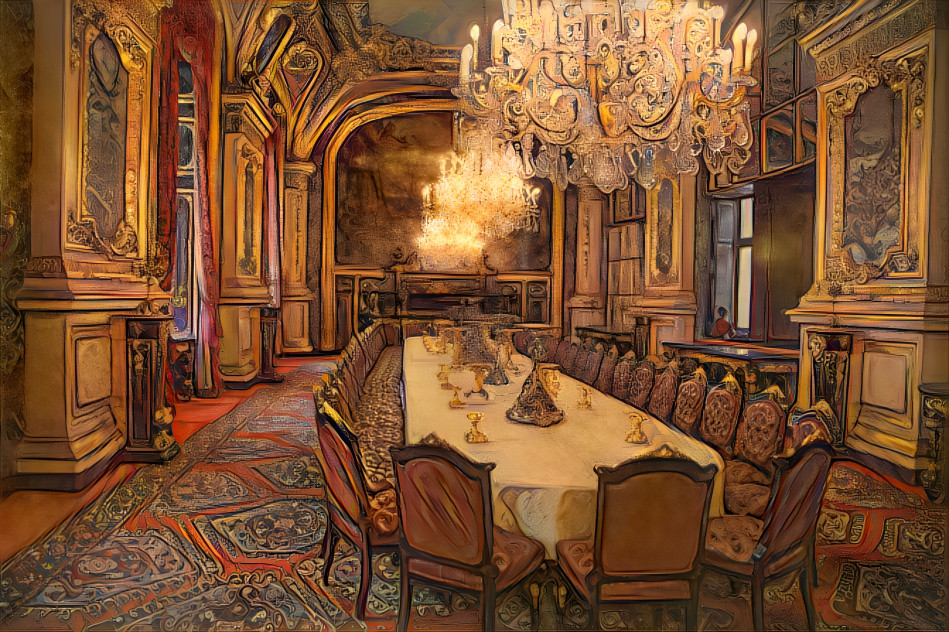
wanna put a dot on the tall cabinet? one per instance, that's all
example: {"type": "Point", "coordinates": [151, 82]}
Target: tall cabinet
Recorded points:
{"type": "Point", "coordinates": [875, 323]}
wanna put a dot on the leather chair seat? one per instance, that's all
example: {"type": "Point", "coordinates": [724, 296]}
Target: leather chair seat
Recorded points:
{"type": "Point", "coordinates": [514, 556]}
{"type": "Point", "coordinates": [733, 538]}
{"type": "Point", "coordinates": [576, 557]}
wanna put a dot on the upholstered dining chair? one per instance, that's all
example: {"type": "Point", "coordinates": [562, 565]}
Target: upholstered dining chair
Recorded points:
{"type": "Point", "coordinates": [748, 476]}
{"type": "Point", "coordinates": [720, 419]}
{"type": "Point", "coordinates": [604, 380]}
{"type": "Point", "coordinates": [641, 384]}
{"type": "Point", "coordinates": [688, 405]}
{"type": "Point", "coordinates": [744, 547]}
{"type": "Point", "coordinates": [650, 533]}
{"type": "Point", "coordinates": [563, 347]}
{"type": "Point", "coordinates": [448, 536]}
{"type": "Point", "coordinates": [370, 524]}
{"type": "Point", "coordinates": [622, 376]}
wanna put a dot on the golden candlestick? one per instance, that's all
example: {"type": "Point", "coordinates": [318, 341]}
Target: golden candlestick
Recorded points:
{"type": "Point", "coordinates": [636, 434]}
{"type": "Point", "coordinates": [586, 398]}
{"type": "Point", "coordinates": [443, 373]}
{"type": "Point", "coordinates": [474, 435]}
{"type": "Point", "coordinates": [456, 401]}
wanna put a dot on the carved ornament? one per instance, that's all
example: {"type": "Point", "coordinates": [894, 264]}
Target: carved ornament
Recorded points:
{"type": "Point", "coordinates": [113, 18]}
{"type": "Point", "coordinates": [45, 267]}
{"type": "Point", "coordinates": [906, 76]}
{"type": "Point", "coordinates": [13, 259]}
{"type": "Point", "coordinates": [152, 307]}
{"type": "Point", "coordinates": [872, 33]}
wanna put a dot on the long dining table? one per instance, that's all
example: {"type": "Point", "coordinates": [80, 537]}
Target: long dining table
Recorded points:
{"type": "Point", "coordinates": [544, 483]}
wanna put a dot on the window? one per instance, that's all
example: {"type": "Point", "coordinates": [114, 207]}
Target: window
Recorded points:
{"type": "Point", "coordinates": [732, 267]}
{"type": "Point", "coordinates": [183, 303]}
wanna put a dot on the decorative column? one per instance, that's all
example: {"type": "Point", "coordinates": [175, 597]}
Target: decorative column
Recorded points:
{"type": "Point", "coordinates": [244, 263]}
{"type": "Point", "coordinates": [934, 409]}
{"type": "Point", "coordinates": [295, 295]}
{"type": "Point", "coordinates": [667, 302]}
{"type": "Point", "coordinates": [587, 306]}
{"type": "Point", "coordinates": [268, 342]}
{"type": "Point", "coordinates": [93, 253]}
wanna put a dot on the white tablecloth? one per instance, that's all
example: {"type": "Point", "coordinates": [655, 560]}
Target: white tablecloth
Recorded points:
{"type": "Point", "coordinates": [544, 484]}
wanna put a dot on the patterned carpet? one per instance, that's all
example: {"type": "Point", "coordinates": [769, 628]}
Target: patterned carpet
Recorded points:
{"type": "Point", "coordinates": [228, 537]}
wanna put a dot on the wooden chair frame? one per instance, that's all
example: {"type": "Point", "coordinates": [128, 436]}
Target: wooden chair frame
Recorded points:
{"type": "Point", "coordinates": [806, 566]}
{"type": "Point", "coordinates": [360, 523]}
{"type": "Point", "coordinates": [596, 578]}
{"type": "Point", "coordinates": [485, 569]}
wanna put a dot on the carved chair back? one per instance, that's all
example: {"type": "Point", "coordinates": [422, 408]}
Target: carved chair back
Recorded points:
{"type": "Point", "coordinates": [760, 432]}
{"type": "Point", "coordinates": [563, 347]}
{"type": "Point", "coordinates": [796, 503]}
{"type": "Point", "coordinates": [622, 377]}
{"type": "Point", "coordinates": [720, 418]}
{"type": "Point", "coordinates": [641, 383]}
{"type": "Point", "coordinates": [445, 506]}
{"type": "Point", "coordinates": [652, 516]}
{"type": "Point", "coordinates": [604, 380]}
{"type": "Point", "coordinates": [570, 358]}
{"type": "Point", "coordinates": [522, 342]}
{"type": "Point", "coordinates": [688, 405]}
{"type": "Point", "coordinates": [591, 367]}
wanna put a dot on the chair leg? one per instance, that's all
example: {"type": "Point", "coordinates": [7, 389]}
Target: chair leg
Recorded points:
{"type": "Point", "coordinates": [405, 597]}
{"type": "Point", "coordinates": [757, 601]}
{"type": "Point", "coordinates": [812, 562]}
{"type": "Point", "coordinates": [692, 609]}
{"type": "Point", "coordinates": [329, 544]}
{"type": "Point", "coordinates": [805, 586]}
{"type": "Point", "coordinates": [488, 600]}
{"type": "Point", "coordinates": [595, 611]}
{"type": "Point", "coordinates": [365, 581]}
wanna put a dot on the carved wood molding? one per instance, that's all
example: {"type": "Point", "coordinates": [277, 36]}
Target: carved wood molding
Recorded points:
{"type": "Point", "coordinates": [132, 28]}
{"type": "Point", "coordinates": [887, 182]}
{"type": "Point", "coordinates": [870, 34]}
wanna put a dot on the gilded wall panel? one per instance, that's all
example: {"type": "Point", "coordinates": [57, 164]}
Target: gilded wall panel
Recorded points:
{"type": "Point", "coordinates": [246, 128]}
{"type": "Point", "coordinates": [877, 188]}
{"type": "Point", "coordinates": [664, 237]}
{"type": "Point", "coordinates": [113, 50]}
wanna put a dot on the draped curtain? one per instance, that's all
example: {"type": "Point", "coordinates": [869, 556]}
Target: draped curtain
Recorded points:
{"type": "Point", "coordinates": [188, 34]}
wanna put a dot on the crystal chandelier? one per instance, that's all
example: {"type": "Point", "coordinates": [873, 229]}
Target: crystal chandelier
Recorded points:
{"type": "Point", "coordinates": [478, 196]}
{"type": "Point", "coordinates": [605, 90]}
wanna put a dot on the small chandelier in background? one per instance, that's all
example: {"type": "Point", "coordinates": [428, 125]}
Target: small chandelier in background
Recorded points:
{"type": "Point", "coordinates": [479, 196]}
{"type": "Point", "coordinates": [605, 90]}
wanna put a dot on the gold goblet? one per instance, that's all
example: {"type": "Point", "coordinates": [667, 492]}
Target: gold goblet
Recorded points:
{"type": "Point", "coordinates": [474, 435]}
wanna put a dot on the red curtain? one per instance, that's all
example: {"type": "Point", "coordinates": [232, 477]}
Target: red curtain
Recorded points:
{"type": "Point", "coordinates": [188, 34]}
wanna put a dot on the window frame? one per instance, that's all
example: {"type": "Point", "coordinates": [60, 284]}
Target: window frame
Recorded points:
{"type": "Point", "coordinates": [736, 243]}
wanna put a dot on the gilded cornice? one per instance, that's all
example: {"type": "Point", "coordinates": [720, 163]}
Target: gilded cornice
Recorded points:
{"type": "Point", "coordinates": [870, 34]}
